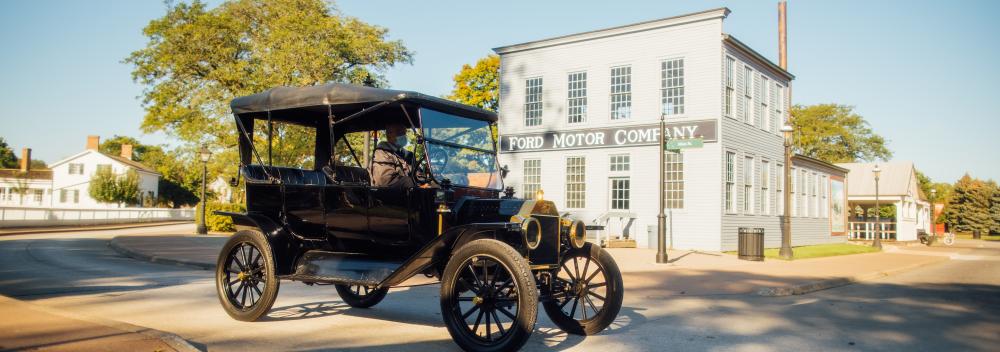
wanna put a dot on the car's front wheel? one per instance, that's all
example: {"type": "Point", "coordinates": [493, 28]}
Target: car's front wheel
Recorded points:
{"type": "Point", "coordinates": [489, 300]}
{"type": "Point", "coordinates": [245, 276]}
{"type": "Point", "coordinates": [587, 292]}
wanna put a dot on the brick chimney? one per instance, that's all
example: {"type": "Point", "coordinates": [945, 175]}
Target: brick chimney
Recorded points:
{"type": "Point", "coordinates": [127, 151]}
{"type": "Point", "coordinates": [25, 159]}
{"type": "Point", "coordinates": [93, 142]}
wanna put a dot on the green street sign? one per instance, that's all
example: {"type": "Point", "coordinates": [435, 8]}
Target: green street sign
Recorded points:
{"type": "Point", "coordinates": [676, 144]}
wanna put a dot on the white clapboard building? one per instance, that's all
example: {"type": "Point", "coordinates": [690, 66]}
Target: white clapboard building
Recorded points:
{"type": "Point", "coordinates": [71, 177]}
{"type": "Point", "coordinates": [579, 120]}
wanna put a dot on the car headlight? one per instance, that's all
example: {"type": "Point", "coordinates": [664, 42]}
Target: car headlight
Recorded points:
{"type": "Point", "coordinates": [532, 230]}
{"type": "Point", "coordinates": [577, 234]}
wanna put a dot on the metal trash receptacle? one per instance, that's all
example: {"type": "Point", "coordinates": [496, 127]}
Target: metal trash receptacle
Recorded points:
{"type": "Point", "coordinates": [751, 244]}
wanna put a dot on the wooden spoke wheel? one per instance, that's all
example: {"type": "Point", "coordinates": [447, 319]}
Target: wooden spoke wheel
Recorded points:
{"type": "Point", "coordinates": [587, 291]}
{"type": "Point", "coordinates": [245, 277]}
{"type": "Point", "coordinates": [488, 297]}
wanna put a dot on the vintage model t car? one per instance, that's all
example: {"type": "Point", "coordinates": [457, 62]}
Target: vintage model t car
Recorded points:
{"type": "Point", "coordinates": [314, 216]}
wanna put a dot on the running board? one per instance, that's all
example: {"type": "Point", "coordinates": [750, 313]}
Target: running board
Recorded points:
{"type": "Point", "coordinates": [342, 268]}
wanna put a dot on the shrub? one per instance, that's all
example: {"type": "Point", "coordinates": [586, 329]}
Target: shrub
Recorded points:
{"type": "Point", "coordinates": [219, 222]}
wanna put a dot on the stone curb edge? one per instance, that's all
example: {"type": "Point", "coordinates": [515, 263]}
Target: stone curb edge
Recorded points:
{"type": "Point", "coordinates": [128, 252]}
{"type": "Point", "coordinates": [35, 230]}
{"type": "Point", "coordinates": [174, 341]}
{"type": "Point", "coordinates": [820, 285]}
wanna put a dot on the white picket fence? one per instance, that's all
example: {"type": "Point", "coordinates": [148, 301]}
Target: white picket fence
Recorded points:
{"type": "Point", "coordinates": [34, 216]}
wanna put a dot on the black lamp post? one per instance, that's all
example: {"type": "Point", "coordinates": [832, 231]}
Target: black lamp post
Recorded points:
{"type": "Point", "coordinates": [204, 154]}
{"type": "Point", "coordinates": [661, 218]}
{"type": "Point", "coordinates": [878, 211]}
{"type": "Point", "coordinates": [786, 222]}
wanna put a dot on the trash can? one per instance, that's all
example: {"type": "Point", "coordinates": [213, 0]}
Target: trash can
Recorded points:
{"type": "Point", "coordinates": [976, 235]}
{"type": "Point", "coordinates": [751, 244]}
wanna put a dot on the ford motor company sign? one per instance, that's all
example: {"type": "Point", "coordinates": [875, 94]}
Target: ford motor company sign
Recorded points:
{"type": "Point", "coordinates": [607, 137]}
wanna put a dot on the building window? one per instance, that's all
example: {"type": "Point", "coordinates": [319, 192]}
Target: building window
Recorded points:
{"type": "Point", "coordinates": [765, 87]}
{"type": "Point", "coordinates": [620, 189]}
{"type": "Point", "coordinates": [75, 169]}
{"type": "Point", "coordinates": [532, 181]}
{"type": "Point", "coordinates": [757, 99]}
{"type": "Point", "coordinates": [576, 182]}
{"type": "Point", "coordinates": [793, 191]}
{"type": "Point", "coordinates": [62, 196]}
{"type": "Point", "coordinates": [747, 101]}
{"type": "Point", "coordinates": [765, 180]}
{"type": "Point", "coordinates": [815, 194]}
{"type": "Point", "coordinates": [76, 196]}
{"type": "Point", "coordinates": [621, 92]}
{"type": "Point", "coordinates": [823, 203]}
{"type": "Point", "coordinates": [577, 102]}
{"type": "Point", "coordinates": [619, 162]}
{"type": "Point", "coordinates": [3, 193]}
{"type": "Point", "coordinates": [727, 103]}
{"type": "Point", "coordinates": [672, 86]}
{"type": "Point", "coordinates": [804, 192]}
{"type": "Point", "coordinates": [779, 187]}
{"type": "Point", "coordinates": [674, 180]}
{"type": "Point", "coordinates": [104, 167]}
{"type": "Point", "coordinates": [37, 195]}
{"type": "Point", "coordinates": [779, 103]}
{"type": "Point", "coordinates": [533, 102]}
{"type": "Point", "coordinates": [748, 181]}
{"type": "Point", "coordinates": [730, 181]}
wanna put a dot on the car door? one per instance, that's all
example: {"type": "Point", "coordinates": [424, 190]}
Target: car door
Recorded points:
{"type": "Point", "coordinates": [303, 202]}
{"type": "Point", "coordinates": [347, 210]}
{"type": "Point", "coordinates": [388, 215]}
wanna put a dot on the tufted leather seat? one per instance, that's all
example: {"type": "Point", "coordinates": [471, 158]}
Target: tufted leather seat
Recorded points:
{"type": "Point", "coordinates": [289, 176]}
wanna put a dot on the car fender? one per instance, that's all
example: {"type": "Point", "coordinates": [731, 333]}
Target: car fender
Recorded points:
{"type": "Point", "coordinates": [276, 235]}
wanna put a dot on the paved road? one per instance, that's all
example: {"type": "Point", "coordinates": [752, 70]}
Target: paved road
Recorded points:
{"type": "Point", "coordinates": [954, 305]}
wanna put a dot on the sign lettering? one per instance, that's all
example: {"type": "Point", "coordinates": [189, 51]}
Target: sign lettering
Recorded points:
{"type": "Point", "coordinates": [705, 130]}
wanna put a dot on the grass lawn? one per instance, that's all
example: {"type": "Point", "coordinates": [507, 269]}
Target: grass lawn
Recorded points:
{"type": "Point", "coordinates": [820, 250]}
{"type": "Point", "coordinates": [968, 236]}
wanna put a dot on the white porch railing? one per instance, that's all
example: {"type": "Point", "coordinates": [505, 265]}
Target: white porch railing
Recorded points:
{"type": "Point", "coordinates": [613, 225]}
{"type": "Point", "coordinates": [865, 230]}
{"type": "Point", "coordinates": [33, 216]}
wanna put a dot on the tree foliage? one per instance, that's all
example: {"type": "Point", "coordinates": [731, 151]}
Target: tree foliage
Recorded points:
{"type": "Point", "coordinates": [478, 85]}
{"type": "Point", "coordinates": [969, 207]}
{"type": "Point", "coordinates": [7, 158]}
{"type": "Point", "coordinates": [108, 187]}
{"type": "Point", "coordinates": [994, 211]}
{"type": "Point", "coordinates": [926, 185]}
{"type": "Point", "coordinates": [198, 59]}
{"type": "Point", "coordinates": [179, 180]}
{"type": "Point", "coordinates": [836, 134]}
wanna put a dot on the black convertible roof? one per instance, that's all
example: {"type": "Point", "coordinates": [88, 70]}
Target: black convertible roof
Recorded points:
{"type": "Point", "coordinates": [345, 100]}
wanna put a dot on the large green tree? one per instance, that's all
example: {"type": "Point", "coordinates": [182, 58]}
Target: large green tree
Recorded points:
{"type": "Point", "coordinates": [943, 190]}
{"type": "Point", "coordinates": [478, 85]}
{"type": "Point", "coordinates": [969, 207]}
{"type": "Point", "coordinates": [8, 160]}
{"type": "Point", "coordinates": [994, 207]}
{"type": "Point", "coordinates": [835, 133]}
{"type": "Point", "coordinates": [197, 59]}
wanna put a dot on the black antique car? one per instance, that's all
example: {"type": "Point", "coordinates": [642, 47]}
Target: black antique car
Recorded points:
{"type": "Point", "coordinates": [314, 216]}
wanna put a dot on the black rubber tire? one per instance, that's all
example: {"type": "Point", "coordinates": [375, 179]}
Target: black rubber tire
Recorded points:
{"type": "Point", "coordinates": [368, 299]}
{"type": "Point", "coordinates": [519, 281]}
{"type": "Point", "coordinates": [264, 276]}
{"type": "Point", "coordinates": [613, 294]}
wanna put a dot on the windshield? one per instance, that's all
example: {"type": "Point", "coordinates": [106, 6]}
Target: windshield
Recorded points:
{"type": "Point", "coordinates": [460, 149]}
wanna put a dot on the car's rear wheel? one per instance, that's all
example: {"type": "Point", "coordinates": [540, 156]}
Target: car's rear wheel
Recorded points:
{"type": "Point", "coordinates": [489, 300]}
{"type": "Point", "coordinates": [587, 292]}
{"type": "Point", "coordinates": [360, 296]}
{"type": "Point", "coordinates": [245, 277]}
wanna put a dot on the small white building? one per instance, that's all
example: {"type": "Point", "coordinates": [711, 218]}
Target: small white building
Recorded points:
{"type": "Point", "coordinates": [579, 114]}
{"type": "Point", "coordinates": [897, 186]}
{"type": "Point", "coordinates": [66, 183]}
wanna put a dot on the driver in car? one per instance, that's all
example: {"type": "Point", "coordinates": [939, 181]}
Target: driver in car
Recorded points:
{"type": "Point", "coordinates": [392, 163]}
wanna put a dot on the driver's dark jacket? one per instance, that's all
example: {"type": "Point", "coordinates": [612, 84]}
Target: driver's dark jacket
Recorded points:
{"type": "Point", "coordinates": [392, 166]}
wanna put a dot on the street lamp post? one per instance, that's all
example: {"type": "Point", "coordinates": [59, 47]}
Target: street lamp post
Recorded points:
{"type": "Point", "coordinates": [878, 211]}
{"type": "Point", "coordinates": [661, 219]}
{"type": "Point", "coordinates": [204, 154]}
{"type": "Point", "coordinates": [786, 222]}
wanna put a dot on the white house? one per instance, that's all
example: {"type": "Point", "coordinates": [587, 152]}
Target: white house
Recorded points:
{"type": "Point", "coordinates": [579, 118]}
{"type": "Point", "coordinates": [71, 176]}
{"type": "Point", "coordinates": [897, 186]}
{"type": "Point", "coordinates": [24, 187]}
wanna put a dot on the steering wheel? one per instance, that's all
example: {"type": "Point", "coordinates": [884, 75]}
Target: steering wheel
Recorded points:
{"type": "Point", "coordinates": [422, 174]}
{"type": "Point", "coordinates": [439, 156]}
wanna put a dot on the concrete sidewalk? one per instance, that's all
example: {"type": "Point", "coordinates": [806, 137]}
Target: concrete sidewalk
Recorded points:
{"type": "Point", "coordinates": [30, 327]}
{"type": "Point", "coordinates": [688, 273]}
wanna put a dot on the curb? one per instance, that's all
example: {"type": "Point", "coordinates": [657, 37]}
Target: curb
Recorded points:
{"type": "Point", "coordinates": [35, 230]}
{"type": "Point", "coordinates": [134, 254]}
{"type": "Point", "coordinates": [820, 285]}
{"type": "Point", "coordinates": [174, 341]}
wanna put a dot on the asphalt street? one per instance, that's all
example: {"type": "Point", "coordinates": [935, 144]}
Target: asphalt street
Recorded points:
{"type": "Point", "coordinates": [954, 305]}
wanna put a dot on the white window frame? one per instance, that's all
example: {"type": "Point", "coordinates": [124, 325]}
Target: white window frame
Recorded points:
{"type": "Point", "coordinates": [779, 104]}
{"type": "Point", "coordinates": [728, 103]}
{"type": "Point", "coordinates": [757, 78]}
{"type": "Point", "coordinates": [576, 93]}
{"type": "Point", "coordinates": [672, 86]}
{"type": "Point", "coordinates": [621, 92]}
{"type": "Point", "coordinates": [729, 177]}
{"type": "Point", "coordinates": [765, 87]}
{"type": "Point", "coordinates": [765, 191]}
{"type": "Point", "coordinates": [533, 102]}
{"type": "Point", "coordinates": [571, 201]}
{"type": "Point", "coordinates": [75, 168]}
{"type": "Point", "coordinates": [531, 181]}
{"type": "Point", "coordinates": [779, 188]}
{"type": "Point", "coordinates": [619, 163]}
{"type": "Point", "coordinates": [793, 191]}
{"type": "Point", "coordinates": [747, 102]}
{"type": "Point", "coordinates": [748, 184]}
{"type": "Point", "coordinates": [673, 180]}
{"type": "Point", "coordinates": [824, 202]}
{"type": "Point", "coordinates": [619, 198]}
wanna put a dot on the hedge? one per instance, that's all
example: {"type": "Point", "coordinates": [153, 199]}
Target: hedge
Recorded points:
{"type": "Point", "coordinates": [219, 222]}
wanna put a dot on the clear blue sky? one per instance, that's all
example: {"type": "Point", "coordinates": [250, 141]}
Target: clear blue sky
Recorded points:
{"type": "Point", "coordinates": [923, 73]}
